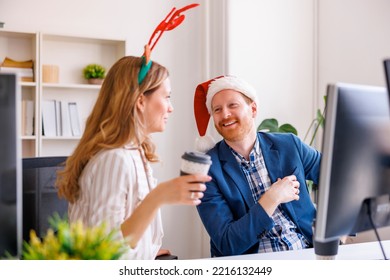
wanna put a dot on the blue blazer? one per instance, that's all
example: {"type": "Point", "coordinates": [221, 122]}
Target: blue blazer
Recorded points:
{"type": "Point", "coordinates": [233, 220]}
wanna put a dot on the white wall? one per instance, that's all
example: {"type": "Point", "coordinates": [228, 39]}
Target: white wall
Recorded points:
{"type": "Point", "coordinates": [354, 39]}
{"type": "Point", "coordinates": [181, 51]}
{"type": "Point", "coordinates": [271, 45]}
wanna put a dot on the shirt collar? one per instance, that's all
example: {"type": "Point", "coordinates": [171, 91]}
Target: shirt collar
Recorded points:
{"type": "Point", "coordinates": [255, 152]}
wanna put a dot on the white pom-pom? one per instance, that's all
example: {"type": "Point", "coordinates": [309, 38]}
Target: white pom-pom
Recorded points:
{"type": "Point", "coordinates": [204, 144]}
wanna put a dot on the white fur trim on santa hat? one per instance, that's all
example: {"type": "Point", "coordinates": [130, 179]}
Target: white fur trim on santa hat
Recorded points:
{"type": "Point", "coordinates": [229, 82]}
{"type": "Point", "coordinates": [204, 143]}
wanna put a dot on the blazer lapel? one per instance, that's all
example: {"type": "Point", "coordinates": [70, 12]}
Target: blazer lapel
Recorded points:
{"type": "Point", "coordinates": [274, 167]}
{"type": "Point", "coordinates": [233, 170]}
{"type": "Point", "coordinates": [271, 158]}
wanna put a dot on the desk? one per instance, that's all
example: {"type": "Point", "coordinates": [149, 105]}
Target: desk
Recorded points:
{"type": "Point", "coordinates": [359, 251]}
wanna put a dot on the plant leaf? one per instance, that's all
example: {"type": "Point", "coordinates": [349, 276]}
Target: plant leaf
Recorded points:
{"type": "Point", "coordinates": [74, 241]}
{"type": "Point", "coordinates": [270, 125]}
{"type": "Point", "coordinates": [288, 128]}
{"type": "Point", "coordinates": [320, 118]}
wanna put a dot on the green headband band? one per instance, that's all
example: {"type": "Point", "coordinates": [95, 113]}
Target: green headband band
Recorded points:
{"type": "Point", "coordinates": [145, 67]}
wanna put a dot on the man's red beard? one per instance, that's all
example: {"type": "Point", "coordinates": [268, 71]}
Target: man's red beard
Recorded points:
{"type": "Point", "coordinates": [238, 131]}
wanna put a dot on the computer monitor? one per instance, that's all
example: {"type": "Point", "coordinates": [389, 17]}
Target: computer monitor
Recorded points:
{"type": "Point", "coordinates": [355, 165]}
{"type": "Point", "coordinates": [386, 64]}
{"type": "Point", "coordinates": [10, 168]}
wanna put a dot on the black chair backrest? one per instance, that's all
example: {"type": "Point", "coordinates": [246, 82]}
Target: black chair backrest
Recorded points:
{"type": "Point", "coordinates": [40, 199]}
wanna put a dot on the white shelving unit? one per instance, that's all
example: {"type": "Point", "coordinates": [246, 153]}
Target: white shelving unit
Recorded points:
{"type": "Point", "coordinates": [22, 46]}
{"type": "Point", "coordinates": [71, 54]}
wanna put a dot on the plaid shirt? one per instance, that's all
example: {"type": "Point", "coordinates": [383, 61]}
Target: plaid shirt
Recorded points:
{"type": "Point", "coordinates": [284, 235]}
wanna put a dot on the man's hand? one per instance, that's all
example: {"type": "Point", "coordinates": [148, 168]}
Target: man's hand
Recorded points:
{"type": "Point", "coordinates": [282, 191]}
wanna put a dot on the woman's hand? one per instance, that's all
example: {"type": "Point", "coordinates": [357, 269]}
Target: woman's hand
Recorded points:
{"type": "Point", "coordinates": [162, 252]}
{"type": "Point", "coordinates": [187, 190]}
{"type": "Point", "coordinates": [182, 190]}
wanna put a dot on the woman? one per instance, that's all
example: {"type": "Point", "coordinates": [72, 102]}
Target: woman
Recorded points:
{"type": "Point", "coordinates": [108, 177]}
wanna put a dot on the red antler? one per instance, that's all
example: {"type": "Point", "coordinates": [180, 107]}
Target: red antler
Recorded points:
{"type": "Point", "coordinates": [171, 21]}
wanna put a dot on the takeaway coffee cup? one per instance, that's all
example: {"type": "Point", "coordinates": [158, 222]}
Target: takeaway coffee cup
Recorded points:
{"type": "Point", "coordinates": [195, 162]}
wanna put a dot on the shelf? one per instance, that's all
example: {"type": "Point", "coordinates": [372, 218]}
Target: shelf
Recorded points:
{"type": "Point", "coordinates": [71, 86]}
{"type": "Point", "coordinates": [70, 54]}
{"type": "Point", "coordinates": [21, 46]}
{"type": "Point", "coordinates": [29, 137]}
{"type": "Point", "coordinates": [28, 84]}
{"type": "Point", "coordinates": [67, 38]}
{"type": "Point", "coordinates": [60, 138]}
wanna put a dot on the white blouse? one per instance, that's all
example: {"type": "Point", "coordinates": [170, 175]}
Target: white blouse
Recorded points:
{"type": "Point", "coordinates": [113, 183]}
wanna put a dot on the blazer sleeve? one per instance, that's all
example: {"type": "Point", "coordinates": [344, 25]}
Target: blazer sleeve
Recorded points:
{"type": "Point", "coordinates": [234, 228]}
{"type": "Point", "coordinates": [310, 159]}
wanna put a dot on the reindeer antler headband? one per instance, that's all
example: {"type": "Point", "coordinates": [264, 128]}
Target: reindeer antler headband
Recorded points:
{"type": "Point", "coordinates": [171, 21]}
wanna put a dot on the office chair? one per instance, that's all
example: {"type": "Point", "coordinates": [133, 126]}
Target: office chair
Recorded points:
{"type": "Point", "coordinates": [40, 199]}
{"type": "Point", "coordinates": [166, 257]}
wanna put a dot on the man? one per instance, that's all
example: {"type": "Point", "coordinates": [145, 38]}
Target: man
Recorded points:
{"type": "Point", "coordinates": [257, 200]}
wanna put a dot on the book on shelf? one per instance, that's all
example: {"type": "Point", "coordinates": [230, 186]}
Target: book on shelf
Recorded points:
{"type": "Point", "coordinates": [27, 79]}
{"type": "Point", "coordinates": [27, 117]}
{"type": "Point", "coordinates": [25, 74]}
{"type": "Point", "coordinates": [65, 120]}
{"type": "Point", "coordinates": [74, 119]}
{"type": "Point", "coordinates": [24, 69]}
{"type": "Point", "coordinates": [8, 62]}
{"type": "Point", "coordinates": [49, 118]}
{"type": "Point", "coordinates": [60, 118]}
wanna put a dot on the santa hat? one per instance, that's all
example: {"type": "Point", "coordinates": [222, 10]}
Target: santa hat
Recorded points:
{"type": "Point", "coordinates": [204, 94]}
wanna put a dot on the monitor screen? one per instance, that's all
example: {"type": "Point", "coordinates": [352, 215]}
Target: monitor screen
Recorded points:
{"type": "Point", "coordinates": [10, 168]}
{"type": "Point", "coordinates": [355, 163]}
{"type": "Point", "coordinates": [386, 64]}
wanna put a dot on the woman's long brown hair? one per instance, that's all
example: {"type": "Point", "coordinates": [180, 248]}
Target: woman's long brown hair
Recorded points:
{"type": "Point", "coordinates": [114, 120]}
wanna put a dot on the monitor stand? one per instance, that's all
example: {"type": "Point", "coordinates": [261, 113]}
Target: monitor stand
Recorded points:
{"type": "Point", "coordinates": [326, 250]}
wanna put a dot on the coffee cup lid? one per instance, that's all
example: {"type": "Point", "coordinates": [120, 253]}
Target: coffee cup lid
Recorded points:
{"type": "Point", "coordinates": [197, 157]}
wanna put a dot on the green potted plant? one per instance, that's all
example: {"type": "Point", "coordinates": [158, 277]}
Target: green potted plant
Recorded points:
{"type": "Point", "coordinates": [272, 125]}
{"type": "Point", "coordinates": [65, 241]}
{"type": "Point", "coordinates": [94, 73]}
